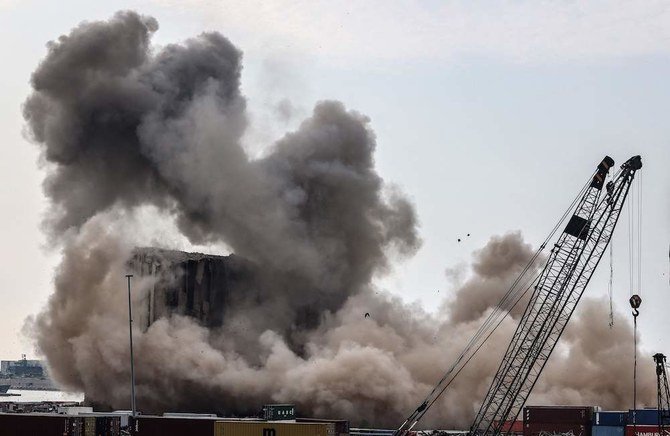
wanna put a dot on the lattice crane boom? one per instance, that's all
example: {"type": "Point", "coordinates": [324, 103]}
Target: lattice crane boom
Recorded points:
{"type": "Point", "coordinates": [663, 394]}
{"type": "Point", "coordinates": [556, 292]}
{"type": "Point", "coordinates": [567, 272]}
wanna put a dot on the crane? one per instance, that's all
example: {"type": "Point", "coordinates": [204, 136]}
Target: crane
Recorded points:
{"type": "Point", "coordinates": [554, 293]}
{"type": "Point", "coordinates": [663, 394]}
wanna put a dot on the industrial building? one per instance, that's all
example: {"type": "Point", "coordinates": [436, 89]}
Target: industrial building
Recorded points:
{"type": "Point", "coordinates": [190, 284]}
{"type": "Point", "coordinates": [22, 368]}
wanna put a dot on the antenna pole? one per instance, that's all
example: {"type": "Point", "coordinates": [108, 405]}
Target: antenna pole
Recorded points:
{"type": "Point", "coordinates": [132, 364]}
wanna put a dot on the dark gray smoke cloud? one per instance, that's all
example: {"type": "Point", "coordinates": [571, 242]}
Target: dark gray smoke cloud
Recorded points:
{"type": "Point", "coordinates": [124, 127]}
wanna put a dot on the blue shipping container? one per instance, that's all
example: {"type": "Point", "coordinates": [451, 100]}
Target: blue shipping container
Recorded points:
{"type": "Point", "coordinates": [643, 417]}
{"type": "Point", "coordinates": [610, 418]}
{"type": "Point", "coordinates": [607, 430]}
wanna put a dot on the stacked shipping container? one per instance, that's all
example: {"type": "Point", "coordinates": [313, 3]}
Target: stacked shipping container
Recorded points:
{"type": "Point", "coordinates": [609, 423]}
{"type": "Point", "coordinates": [31, 425]}
{"type": "Point", "coordinates": [644, 430]}
{"type": "Point", "coordinates": [611, 418]}
{"type": "Point", "coordinates": [154, 425]}
{"type": "Point", "coordinates": [643, 416]}
{"type": "Point", "coordinates": [12, 424]}
{"type": "Point", "coordinates": [537, 421]}
{"type": "Point", "coordinates": [577, 421]}
{"type": "Point", "coordinates": [17, 424]}
{"type": "Point", "coordinates": [161, 426]}
{"type": "Point", "coordinates": [643, 422]}
{"type": "Point", "coordinates": [543, 420]}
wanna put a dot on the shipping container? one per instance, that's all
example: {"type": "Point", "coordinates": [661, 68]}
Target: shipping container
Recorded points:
{"type": "Point", "coordinates": [75, 426]}
{"type": "Point", "coordinates": [644, 430]}
{"type": "Point", "coordinates": [250, 428]}
{"type": "Point", "coordinates": [89, 426]}
{"type": "Point", "coordinates": [123, 417]}
{"type": "Point", "coordinates": [611, 418]}
{"type": "Point", "coordinates": [73, 410]}
{"type": "Point", "coordinates": [643, 416]}
{"type": "Point", "coordinates": [515, 427]}
{"type": "Point", "coordinates": [16, 424]}
{"type": "Point", "coordinates": [330, 429]}
{"type": "Point", "coordinates": [340, 426]}
{"type": "Point", "coordinates": [373, 432]}
{"type": "Point", "coordinates": [102, 424]}
{"type": "Point", "coordinates": [544, 429]}
{"type": "Point", "coordinates": [608, 430]}
{"type": "Point", "coordinates": [107, 425]}
{"type": "Point", "coordinates": [558, 415]}
{"type": "Point", "coordinates": [159, 426]}
{"type": "Point", "coordinates": [278, 412]}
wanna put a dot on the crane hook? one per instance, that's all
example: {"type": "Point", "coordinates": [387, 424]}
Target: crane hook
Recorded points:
{"type": "Point", "coordinates": [635, 302]}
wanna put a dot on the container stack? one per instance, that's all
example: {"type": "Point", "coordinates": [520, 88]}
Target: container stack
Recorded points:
{"type": "Point", "coordinates": [574, 420]}
{"type": "Point", "coordinates": [15, 424]}
{"type": "Point", "coordinates": [643, 422]}
{"type": "Point", "coordinates": [34, 424]}
{"type": "Point", "coordinates": [158, 425]}
{"type": "Point", "coordinates": [206, 426]}
{"type": "Point", "coordinates": [42, 424]}
{"type": "Point", "coordinates": [609, 423]}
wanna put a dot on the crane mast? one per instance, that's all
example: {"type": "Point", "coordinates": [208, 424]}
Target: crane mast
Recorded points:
{"type": "Point", "coordinates": [555, 294]}
{"type": "Point", "coordinates": [570, 266]}
{"type": "Point", "coordinates": [663, 394]}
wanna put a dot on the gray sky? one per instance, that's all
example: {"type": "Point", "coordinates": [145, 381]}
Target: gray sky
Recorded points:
{"type": "Point", "coordinates": [489, 115]}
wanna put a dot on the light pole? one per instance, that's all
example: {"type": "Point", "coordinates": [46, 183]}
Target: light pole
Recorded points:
{"type": "Point", "coordinates": [132, 365]}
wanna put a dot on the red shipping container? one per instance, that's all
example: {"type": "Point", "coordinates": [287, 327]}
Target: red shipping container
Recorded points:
{"type": "Point", "coordinates": [644, 430]}
{"type": "Point", "coordinates": [545, 429]}
{"type": "Point", "coordinates": [511, 426]}
{"type": "Point", "coordinates": [558, 414]}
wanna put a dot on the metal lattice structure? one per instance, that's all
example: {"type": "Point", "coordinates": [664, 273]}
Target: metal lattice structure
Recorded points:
{"type": "Point", "coordinates": [663, 394]}
{"type": "Point", "coordinates": [570, 266]}
{"type": "Point", "coordinates": [556, 292]}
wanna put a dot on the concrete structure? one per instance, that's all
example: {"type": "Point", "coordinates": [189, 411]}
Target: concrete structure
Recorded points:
{"type": "Point", "coordinates": [22, 368]}
{"type": "Point", "coordinates": [190, 284]}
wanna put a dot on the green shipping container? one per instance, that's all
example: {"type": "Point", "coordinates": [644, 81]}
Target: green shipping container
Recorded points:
{"type": "Point", "coordinates": [279, 412]}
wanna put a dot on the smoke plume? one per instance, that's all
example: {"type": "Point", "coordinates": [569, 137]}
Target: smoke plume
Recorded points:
{"type": "Point", "coordinates": [123, 127]}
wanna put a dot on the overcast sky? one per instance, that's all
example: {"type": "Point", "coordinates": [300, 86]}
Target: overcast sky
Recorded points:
{"type": "Point", "coordinates": [489, 116]}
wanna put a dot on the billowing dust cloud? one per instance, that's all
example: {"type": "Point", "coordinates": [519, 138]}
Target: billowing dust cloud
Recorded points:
{"type": "Point", "coordinates": [124, 126]}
